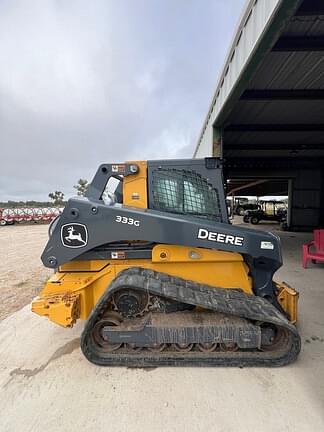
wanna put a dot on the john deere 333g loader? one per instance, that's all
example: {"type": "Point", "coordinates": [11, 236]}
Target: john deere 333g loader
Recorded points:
{"type": "Point", "coordinates": [162, 278]}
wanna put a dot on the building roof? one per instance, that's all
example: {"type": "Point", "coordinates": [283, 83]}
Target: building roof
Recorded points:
{"type": "Point", "coordinates": [270, 97]}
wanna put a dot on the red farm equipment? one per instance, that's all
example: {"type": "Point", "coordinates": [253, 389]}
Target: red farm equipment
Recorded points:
{"type": "Point", "coordinates": [12, 215]}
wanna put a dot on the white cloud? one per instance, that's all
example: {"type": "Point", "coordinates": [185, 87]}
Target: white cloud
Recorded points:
{"type": "Point", "coordinates": [82, 82]}
{"type": "Point", "coordinates": [48, 59]}
{"type": "Point", "coordinates": [151, 76]}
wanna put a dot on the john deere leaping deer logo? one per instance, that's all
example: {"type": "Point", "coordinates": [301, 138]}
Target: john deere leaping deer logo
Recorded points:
{"type": "Point", "coordinates": [74, 235]}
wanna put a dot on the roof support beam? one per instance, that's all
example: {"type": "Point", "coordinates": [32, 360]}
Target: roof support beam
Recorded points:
{"type": "Point", "coordinates": [307, 94]}
{"type": "Point", "coordinates": [238, 188]}
{"type": "Point", "coordinates": [311, 8]}
{"type": "Point", "coordinates": [287, 44]}
{"type": "Point", "coordinates": [269, 167]}
{"type": "Point", "coordinates": [275, 128]}
{"type": "Point", "coordinates": [274, 146]}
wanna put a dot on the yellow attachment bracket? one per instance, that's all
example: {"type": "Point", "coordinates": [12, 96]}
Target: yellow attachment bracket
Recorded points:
{"type": "Point", "coordinates": [63, 309]}
{"type": "Point", "coordinates": [135, 187]}
{"type": "Point", "coordinates": [288, 299]}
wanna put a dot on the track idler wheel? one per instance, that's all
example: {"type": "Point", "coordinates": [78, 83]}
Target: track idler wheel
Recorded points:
{"type": "Point", "coordinates": [183, 347]}
{"type": "Point", "coordinates": [207, 346]}
{"type": "Point", "coordinates": [276, 340]}
{"type": "Point", "coordinates": [109, 319]}
{"type": "Point", "coordinates": [228, 346]}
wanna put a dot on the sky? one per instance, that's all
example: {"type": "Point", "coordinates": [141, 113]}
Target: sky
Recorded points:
{"type": "Point", "coordinates": [86, 82]}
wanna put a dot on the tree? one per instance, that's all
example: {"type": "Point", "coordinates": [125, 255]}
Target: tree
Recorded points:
{"type": "Point", "coordinates": [81, 186]}
{"type": "Point", "coordinates": [57, 197]}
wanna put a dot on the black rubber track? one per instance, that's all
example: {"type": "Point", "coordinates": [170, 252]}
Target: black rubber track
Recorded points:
{"type": "Point", "coordinates": [228, 301]}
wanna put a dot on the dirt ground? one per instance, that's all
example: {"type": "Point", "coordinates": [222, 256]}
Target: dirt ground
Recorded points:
{"type": "Point", "coordinates": [21, 271]}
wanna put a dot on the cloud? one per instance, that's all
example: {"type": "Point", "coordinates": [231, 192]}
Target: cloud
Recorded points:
{"type": "Point", "coordinates": [86, 82]}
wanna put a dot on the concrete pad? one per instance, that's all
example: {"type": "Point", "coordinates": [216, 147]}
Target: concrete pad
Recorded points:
{"type": "Point", "coordinates": [46, 384]}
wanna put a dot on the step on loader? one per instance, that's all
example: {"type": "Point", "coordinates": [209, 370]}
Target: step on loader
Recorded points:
{"type": "Point", "coordinates": [161, 277]}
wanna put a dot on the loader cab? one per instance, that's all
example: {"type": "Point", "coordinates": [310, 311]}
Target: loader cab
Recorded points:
{"type": "Point", "coordinates": [188, 187]}
{"type": "Point", "coordinates": [185, 192]}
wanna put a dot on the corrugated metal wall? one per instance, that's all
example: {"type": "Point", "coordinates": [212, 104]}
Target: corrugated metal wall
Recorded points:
{"type": "Point", "coordinates": [305, 199]}
{"type": "Point", "coordinates": [255, 19]}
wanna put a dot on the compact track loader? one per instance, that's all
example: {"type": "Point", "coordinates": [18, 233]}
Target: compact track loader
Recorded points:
{"type": "Point", "coordinates": [162, 278]}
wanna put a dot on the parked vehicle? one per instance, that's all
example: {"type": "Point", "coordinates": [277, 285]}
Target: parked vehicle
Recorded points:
{"type": "Point", "coordinates": [242, 204]}
{"type": "Point", "coordinates": [275, 211]}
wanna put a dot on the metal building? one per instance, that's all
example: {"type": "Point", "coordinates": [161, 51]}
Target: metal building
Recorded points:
{"type": "Point", "coordinates": [266, 118]}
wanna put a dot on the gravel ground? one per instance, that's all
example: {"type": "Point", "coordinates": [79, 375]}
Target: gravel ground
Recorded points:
{"type": "Point", "coordinates": [21, 271]}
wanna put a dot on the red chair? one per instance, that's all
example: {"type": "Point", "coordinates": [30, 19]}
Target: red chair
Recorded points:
{"type": "Point", "coordinates": [318, 244]}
